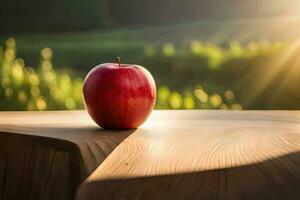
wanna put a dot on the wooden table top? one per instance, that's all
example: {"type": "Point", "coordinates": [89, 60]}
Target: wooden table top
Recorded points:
{"type": "Point", "coordinates": [46, 155]}
{"type": "Point", "coordinates": [174, 155]}
{"type": "Point", "coordinates": [68, 129]}
{"type": "Point", "coordinates": [203, 155]}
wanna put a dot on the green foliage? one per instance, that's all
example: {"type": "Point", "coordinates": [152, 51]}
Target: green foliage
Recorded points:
{"type": "Point", "coordinates": [197, 98]}
{"type": "Point", "coordinates": [42, 88]}
{"type": "Point", "coordinates": [26, 88]}
{"type": "Point", "coordinates": [261, 74]}
{"type": "Point", "coordinates": [205, 63]}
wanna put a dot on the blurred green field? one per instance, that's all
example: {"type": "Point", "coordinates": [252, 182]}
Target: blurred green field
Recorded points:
{"type": "Point", "coordinates": [43, 88]}
{"type": "Point", "coordinates": [261, 73]}
{"type": "Point", "coordinates": [82, 50]}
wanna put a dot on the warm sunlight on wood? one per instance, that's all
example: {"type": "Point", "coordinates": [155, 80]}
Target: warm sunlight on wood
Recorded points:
{"type": "Point", "coordinates": [195, 141]}
{"type": "Point", "coordinates": [237, 148]}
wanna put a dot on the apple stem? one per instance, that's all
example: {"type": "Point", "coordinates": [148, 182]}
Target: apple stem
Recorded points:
{"type": "Point", "coordinates": [119, 61]}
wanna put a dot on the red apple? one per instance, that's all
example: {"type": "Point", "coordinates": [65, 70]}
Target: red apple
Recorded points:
{"type": "Point", "coordinates": [119, 96]}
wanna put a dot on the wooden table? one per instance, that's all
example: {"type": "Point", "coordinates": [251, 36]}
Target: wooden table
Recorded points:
{"type": "Point", "coordinates": [204, 155]}
{"type": "Point", "coordinates": [46, 155]}
{"type": "Point", "coordinates": [174, 155]}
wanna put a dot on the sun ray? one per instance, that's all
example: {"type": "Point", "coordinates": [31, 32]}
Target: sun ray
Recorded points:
{"type": "Point", "coordinates": [264, 74]}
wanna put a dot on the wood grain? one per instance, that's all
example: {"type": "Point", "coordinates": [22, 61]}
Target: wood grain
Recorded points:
{"type": "Point", "coordinates": [204, 155]}
{"type": "Point", "coordinates": [46, 155]}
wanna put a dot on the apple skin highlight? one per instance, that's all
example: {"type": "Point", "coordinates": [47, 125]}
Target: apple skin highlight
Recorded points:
{"type": "Point", "coordinates": [119, 96]}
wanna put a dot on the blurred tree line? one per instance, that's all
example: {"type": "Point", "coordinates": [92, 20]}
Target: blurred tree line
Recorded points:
{"type": "Point", "coordinates": [54, 15]}
{"type": "Point", "coordinates": [72, 15]}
